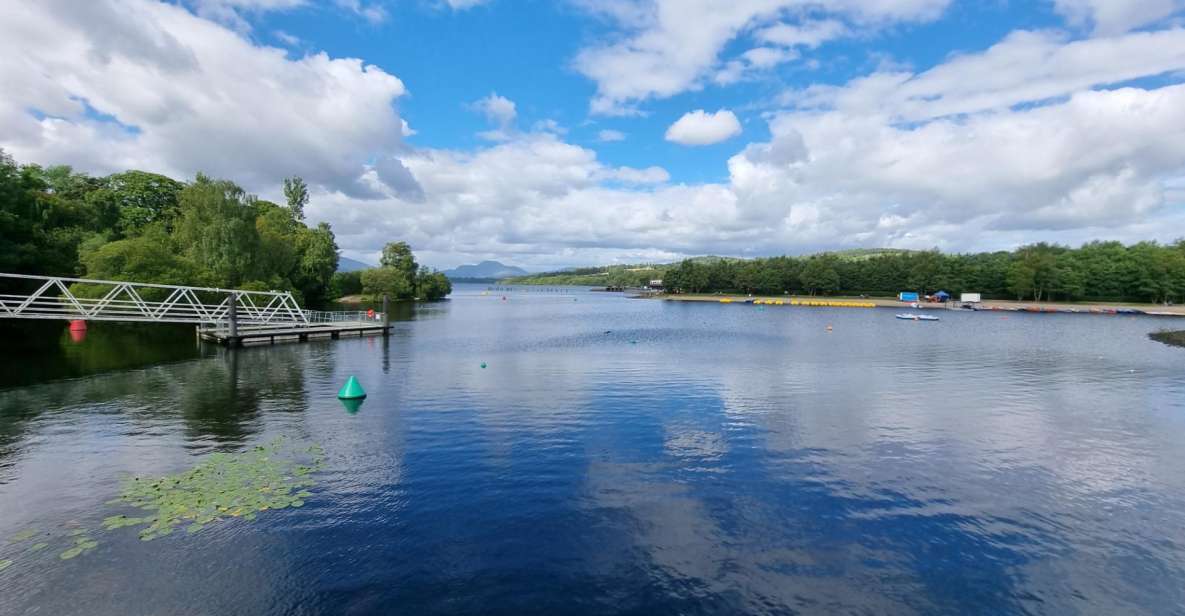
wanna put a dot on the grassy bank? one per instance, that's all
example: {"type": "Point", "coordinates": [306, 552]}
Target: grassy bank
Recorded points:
{"type": "Point", "coordinates": [1171, 338]}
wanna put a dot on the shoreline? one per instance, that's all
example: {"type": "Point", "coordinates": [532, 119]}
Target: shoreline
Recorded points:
{"type": "Point", "coordinates": [994, 305]}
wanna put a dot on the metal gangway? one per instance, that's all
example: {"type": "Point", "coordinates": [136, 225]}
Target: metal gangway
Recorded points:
{"type": "Point", "coordinates": [50, 297]}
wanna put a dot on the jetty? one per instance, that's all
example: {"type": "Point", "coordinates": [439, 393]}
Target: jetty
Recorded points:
{"type": "Point", "coordinates": [230, 317]}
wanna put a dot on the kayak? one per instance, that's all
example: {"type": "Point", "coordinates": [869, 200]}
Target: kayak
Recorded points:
{"type": "Point", "coordinates": [916, 317]}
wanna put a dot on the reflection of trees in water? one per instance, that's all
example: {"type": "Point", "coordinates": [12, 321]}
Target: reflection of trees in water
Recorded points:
{"type": "Point", "coordinates": [223, 402]}
{"type": "Point", "coordinates": [38, 351]}
{"type": "Point", "coordinates": [219, 399]}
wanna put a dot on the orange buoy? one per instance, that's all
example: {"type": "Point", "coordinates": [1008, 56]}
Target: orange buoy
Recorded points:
{"type": "Point", "coordinates": [370, 313]}
{"type": "Point", "coordinates": [78, 326]}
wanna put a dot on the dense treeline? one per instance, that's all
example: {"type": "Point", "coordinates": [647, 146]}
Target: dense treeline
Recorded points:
{"type": "Point", "coordinates": [1145, 272]}
{"type": "Point", "coordinates": [146, 227]}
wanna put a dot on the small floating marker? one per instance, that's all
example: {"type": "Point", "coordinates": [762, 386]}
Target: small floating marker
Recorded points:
{"type": "Point", "coordinates": [78, 325]}
{"type": "Point", "coordinates": [483, 365]}
{"type": "Point", "coordinates": [352, 390]}
{"type": "Point", "coordinates": [828, 328]}
{"type": "Point", "coordinates": [633, 342]}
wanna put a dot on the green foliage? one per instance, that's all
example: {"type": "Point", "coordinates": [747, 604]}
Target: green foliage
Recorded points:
{"type": "Point", "coordinates": [141, 198]}
{"type": "Point", "coordinates": [1103, 271]}
{"type": "Point", "coordinates": [297, 194]}
{"type": "Point", "coordinates": [346, 283]}
{"type": "Point", "coordinates": [217, 230]}
{"type": "Point", "coordinates": [387, 281]}
{"type": "Point", "coordinates": [398, 277]}
{"type": "Point", "coordinates": [432, 285]}
{"type": "Point", "coordinates": [145, 227]}
{"type": "Point", "coordinates": [221, 487]}
{"type": "Point", "coordinates": [819, 275]}
{"type": "Point", "coordinates": [150, 257]}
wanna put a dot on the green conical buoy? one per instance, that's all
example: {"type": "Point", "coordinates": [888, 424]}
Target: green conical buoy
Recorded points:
{"type": "Point", "coordinates": [352, 405]}
{"type": "Point", "coordinates": [351, 390]}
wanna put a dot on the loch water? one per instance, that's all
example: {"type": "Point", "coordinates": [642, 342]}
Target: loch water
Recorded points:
{"type": "Point", "coordinates": [574, 452]}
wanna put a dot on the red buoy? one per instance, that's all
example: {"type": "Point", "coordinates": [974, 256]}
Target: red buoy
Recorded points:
{"type": "Point", "coordinates": [78, 326]}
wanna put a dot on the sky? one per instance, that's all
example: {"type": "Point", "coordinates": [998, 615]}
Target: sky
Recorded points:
{"type": "Point", "coordinates": [549, 134]}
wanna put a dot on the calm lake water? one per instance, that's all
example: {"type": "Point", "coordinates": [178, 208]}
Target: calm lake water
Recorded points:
{"type": "Point", "coordinates": [621, 456]}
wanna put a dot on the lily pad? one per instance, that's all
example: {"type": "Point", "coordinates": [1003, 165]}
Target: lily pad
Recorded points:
{"type": "Point", "coordinates": [71, 553]}
{"type": "Point", "coordinates": [221, 486]}
{"type": "Point", "coordinates": [24, 535]}
{"type": "Point", "coordinates": [37, 547]}
{"type": "Point", "coordinates": [4, 564]}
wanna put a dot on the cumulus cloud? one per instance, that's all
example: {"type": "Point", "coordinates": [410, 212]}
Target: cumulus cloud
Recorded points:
{"type": "Point", "coordinates": [671, 46]}
{"type": "Point", "coordinates": [114, 85]}
{"type": "Point", "coordinates": [1051, 140]}
{"type": "Point", "coordinates": [701, 128]}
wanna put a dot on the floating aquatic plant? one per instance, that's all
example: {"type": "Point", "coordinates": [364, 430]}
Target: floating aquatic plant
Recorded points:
{"type": "Point", "coordinates": [82, 544]}
{"type": "Point", "coordinates": [24, 535]}
{"type": "Point", "coordinates": [222, 486]}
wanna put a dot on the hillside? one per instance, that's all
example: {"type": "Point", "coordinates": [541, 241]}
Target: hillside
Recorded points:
{"type": "Point", "coordinates": [346, 264]}
{"type": "Point", "coordinates": [486, 270]}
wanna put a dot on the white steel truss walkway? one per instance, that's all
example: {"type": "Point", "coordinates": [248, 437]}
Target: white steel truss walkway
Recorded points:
{"type": "Point", "coordinates": [48, 297]}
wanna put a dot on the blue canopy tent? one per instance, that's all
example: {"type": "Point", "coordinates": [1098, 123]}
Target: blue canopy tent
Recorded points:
{"type": "Point", "coordinates": [942, 296]}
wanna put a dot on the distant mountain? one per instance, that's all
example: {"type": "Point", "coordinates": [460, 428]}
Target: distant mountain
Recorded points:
{"type": "Point", "coordinates": [346, 264]}
{"type": "Point", "coordinates": [485, 269]}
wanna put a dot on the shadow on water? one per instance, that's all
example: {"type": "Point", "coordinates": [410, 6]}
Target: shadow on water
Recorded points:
{"type": "Point", "coordinates": [46, 350]}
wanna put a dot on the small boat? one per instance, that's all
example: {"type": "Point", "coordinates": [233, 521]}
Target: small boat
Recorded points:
{"type": "Point", "coordinates": [916, 317]}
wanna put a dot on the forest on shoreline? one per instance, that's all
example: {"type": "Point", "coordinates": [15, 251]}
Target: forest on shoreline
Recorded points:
{"type": "Point", "coordinates": [145, 227]}
{"type": "Point", "coordinates": [1096, 271]}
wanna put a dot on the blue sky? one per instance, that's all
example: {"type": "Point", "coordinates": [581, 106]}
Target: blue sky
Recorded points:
{"type": "Point", "coordinates": [549, 134]}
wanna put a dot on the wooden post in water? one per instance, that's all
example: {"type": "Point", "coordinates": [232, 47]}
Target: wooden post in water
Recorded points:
{"type": "Point", "coordinates": [233, 321]}
{"type": "Point", "coordinates": [386, 315]}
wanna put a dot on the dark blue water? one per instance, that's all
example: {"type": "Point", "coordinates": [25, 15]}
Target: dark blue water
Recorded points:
{"type": "Point", "coordinates": [634, 457]}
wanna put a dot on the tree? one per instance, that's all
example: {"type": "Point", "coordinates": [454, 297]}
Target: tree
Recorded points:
{"type": "Point", "coordinates": [819, 275]}
{"type": "Point", "coordinates": [217, 231]}
{"type": "Point", "coordinates": [432, 285]}
{"type": "Point", "coordinates": [398, 256]}
{"type": "Point", "coordinates": [386, 281]}
{"type": "Point", "coordinates": [297, 194]}
{"type": "Point", "coordinates": [148, 257]}
{"type": "Point", "coordinates": [318, 262]}
{"type": "Point", "coordinates": [140, 198]}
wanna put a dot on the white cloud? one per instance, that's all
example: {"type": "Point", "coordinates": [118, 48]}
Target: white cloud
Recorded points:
{"type": "Point", "coordinates": [630, 175]}
{"type": "Point", "coordinates": [701, 128]}
{"type": "Point", "coordinates": [288, 39]}
{"type": "Point", "coordinates": [1116, 16]}
{"type": "Point", "coordinates": [373, 13]}
{"type": "Point", "coordinates": [608, 135]}
{"type": "Point", "coordinates": [809, 34]}
{"type": "Point", "coordinates": [497, 109]}
{"type": "Point", "coordinates": [186, 96]}
{"type": "Point", "coordinates": [1024, 67]}
{"type": "Point", "coordinates": [1029, 149]}
{"type": "Point", "coordinates": [406, 130]}
{"type": "Point", "coordinates": [670, 46]}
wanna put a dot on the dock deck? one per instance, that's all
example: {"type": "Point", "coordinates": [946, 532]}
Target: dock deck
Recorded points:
{"type": "Point", "coordinates": [270, 335]}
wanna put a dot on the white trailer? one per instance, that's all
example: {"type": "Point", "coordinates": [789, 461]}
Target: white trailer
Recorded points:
{"type": "Point", "coordinates": [970, 298]}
